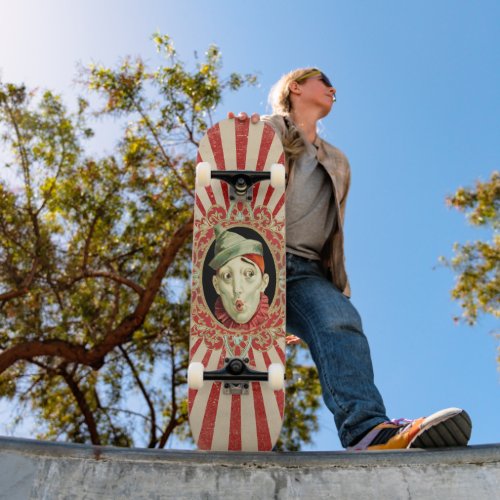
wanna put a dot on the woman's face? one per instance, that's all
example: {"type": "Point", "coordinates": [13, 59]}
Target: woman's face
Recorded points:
{"type": "Point", "coordinates": [314, 91]}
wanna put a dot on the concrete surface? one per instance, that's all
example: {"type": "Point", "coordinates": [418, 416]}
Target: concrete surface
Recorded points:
{"type": "Point", "coordinates": [42, 470]}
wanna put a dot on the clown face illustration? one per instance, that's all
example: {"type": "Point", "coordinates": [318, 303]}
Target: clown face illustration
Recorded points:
{"type": "Point", "coordinates": [239, 278]}
{"type": "Point", "coordinates": [239, 283]}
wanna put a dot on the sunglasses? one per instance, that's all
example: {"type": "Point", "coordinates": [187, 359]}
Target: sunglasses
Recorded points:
{"type": "Point", "coordinates": [316, 72]}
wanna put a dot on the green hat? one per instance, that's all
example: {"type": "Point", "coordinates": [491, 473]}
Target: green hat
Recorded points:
{"type": "Point", "coordinates": [229, 245]}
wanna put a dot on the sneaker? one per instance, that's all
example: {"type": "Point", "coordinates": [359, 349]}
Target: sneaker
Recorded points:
{"type": "Point", "coordinates": [450, 427]}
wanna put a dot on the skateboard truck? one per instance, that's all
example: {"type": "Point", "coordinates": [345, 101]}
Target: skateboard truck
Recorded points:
{"type": "Point", "coordinates": [241, 182]}
{"type": "Point", "coordinates": [236, 376]}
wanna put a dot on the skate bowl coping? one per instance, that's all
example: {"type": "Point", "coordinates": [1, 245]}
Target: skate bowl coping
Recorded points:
{"type": "Point", "coordinates": [38, 469]}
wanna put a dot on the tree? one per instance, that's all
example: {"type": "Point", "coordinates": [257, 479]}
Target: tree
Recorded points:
{"type": "Point", "coordinates": [95, 254]}
{"type": "Point", "coordinates": [477, 264]}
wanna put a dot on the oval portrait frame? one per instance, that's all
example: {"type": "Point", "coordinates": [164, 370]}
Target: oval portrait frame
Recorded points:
{"type": "Point", "coordinates": [209, 294]}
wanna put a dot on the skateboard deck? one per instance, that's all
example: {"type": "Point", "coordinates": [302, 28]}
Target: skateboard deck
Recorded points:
{"type": "Point", "coordinates": [238, 291]}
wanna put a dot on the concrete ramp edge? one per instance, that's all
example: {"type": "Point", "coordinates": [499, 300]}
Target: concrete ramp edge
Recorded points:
{"type": "Point", "coordinates": [31, 469]}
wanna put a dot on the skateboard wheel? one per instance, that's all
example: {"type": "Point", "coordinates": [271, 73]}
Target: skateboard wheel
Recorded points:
{"type": "Point", "coordinates": [276, 376]}
{"type": "Point", "coordinates": [277, 175]}
{"type": "Point", "coordinates": [203, 174]}
{"type": "Point", "coordinates": [195, 375]}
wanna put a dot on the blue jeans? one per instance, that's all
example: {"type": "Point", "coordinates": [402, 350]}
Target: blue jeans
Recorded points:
{"type": "Point", "coordinates": [325, 319]}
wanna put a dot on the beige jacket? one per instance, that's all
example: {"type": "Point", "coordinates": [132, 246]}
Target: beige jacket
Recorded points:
{"type": "Point", "coordinates": [337, 166]}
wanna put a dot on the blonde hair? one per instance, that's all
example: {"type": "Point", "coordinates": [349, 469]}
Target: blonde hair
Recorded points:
{"type": "Point", "coordinates": [281, 104]}
{"type": "Point", "coordinates": [279, 96]}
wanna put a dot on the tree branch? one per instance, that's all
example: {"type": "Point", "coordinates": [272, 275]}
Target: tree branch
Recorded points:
{"type": "Point", "coordinates": [24, 288]}
{"type": "Point", "coordinates": [173, 422]}
{"type": "Point", "coordinates": [53, 184]}
{"type": "Point", "coordinates": [159, 145]}
{"type": "Point", "coordinates": [122, 333]}
{"type": "Point", "coordinates": [5, 231]}
{"type": "Point", "coordinates": [82, 404]}
{"type": "Point", "coordinates": [93, 224]}
{"type": "Point", "coordinates": [114, 277]}
{"type": "Point", "coordinates": [137, 378]}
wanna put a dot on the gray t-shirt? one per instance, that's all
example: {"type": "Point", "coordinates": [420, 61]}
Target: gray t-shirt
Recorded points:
{"type": "Point", "coordinates": [310, 207]}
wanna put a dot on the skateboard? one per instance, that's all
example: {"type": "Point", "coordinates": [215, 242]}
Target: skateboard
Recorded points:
{"type": "Point", "coordinates": [237, 333]}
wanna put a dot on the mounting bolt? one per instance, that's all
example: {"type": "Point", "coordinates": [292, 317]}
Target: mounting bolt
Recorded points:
{"type": "Point", "coordinates": [235, 366]}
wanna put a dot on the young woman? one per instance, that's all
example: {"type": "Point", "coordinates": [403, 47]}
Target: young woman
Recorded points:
{"type": "Point", "coordinates": [319, 310]}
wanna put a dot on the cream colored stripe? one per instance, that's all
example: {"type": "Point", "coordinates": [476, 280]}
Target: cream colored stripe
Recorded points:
{"type": "Point", "coordinates": [213, 362]}
{"type": "Point", "coordinates": [228, 138]}
{"type": "Point", "coordinates": [200, 353]}
{"type": "Point", "coordinates": [207, 154]}
{"type": "Point", "coordinates": [264, 186]}
{"type": "Point", "coordinates": [274, 356]}
{"type": "Point", "coordinates": [205, 201]}
{"type": "Point", "coordinates": [198, 410]}
{"type": "Point", "coordinates": [253, 148]}
{"type": "Point", "coordinates": [273, 156]}
{"type": "Point", "coordinates": [270, 403]}
{"type": "Point", "coordinates": [205, 150]}
{"type": "Point", "coordinates": [218, 193]}
{"type": "Point", "coordinates": [272, 412]}
{"type": "Point", "coordinates": [226, 129]}
{"type": "Point", "coordinates": [262, 193]}
{"type": "Point", "coordinates": [274, 153]}
{"type": "Point", "coordinates": [220, 440]}
{"type": "Point", "coordinates": [248, 428]}
{"type": "Point", "coordinates": [197, 212]}
{"type": "Point", "coordinates": [260, 364]}
{"type": "Point", "coordinates": [200, 401]}
{"type": "Point", "coordinates": [275, 198]}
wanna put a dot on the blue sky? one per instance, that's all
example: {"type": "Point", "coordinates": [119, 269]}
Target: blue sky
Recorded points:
{"type": "Point", "coordinates": [418, 115]}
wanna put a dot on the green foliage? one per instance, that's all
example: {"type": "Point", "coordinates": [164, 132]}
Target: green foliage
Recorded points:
{"type": "Point", "coordinates": [95, 253]}
{"type": "Point", "coordinates": [476, 264]}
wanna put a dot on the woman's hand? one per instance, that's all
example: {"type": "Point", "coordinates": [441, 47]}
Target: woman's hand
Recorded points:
{"type": "Point", "coordinates": [254, 118]}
